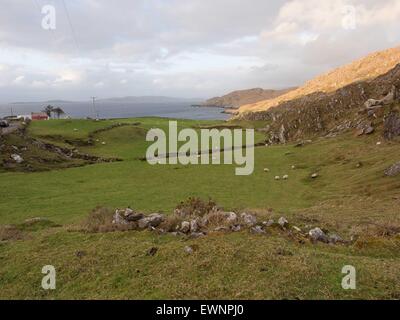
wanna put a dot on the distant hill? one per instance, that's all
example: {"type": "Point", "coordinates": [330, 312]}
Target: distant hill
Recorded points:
{"type": "Point", "coordinates": [369, 67]}
{"type": "Point", "coordinates": [238, 98]}
{"type": "Point", "coordinates": [128, 99]}
{"type": "Point", "coordinates": [43, 102]}
{"type": "Point", "coordinates": [363, 97]}
{"type": "Point", "coordinates": [146, 99]}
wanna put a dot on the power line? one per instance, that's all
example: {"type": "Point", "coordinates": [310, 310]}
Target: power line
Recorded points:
{"type": "Point", "coordinates": [70, 25]}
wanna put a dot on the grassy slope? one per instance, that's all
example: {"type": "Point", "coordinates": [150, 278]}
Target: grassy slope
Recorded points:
{"type": "Point", "coordinates": [231, 266]}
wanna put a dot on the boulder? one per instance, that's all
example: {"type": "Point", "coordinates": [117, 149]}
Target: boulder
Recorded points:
{"type": "Point", "coordinates": [334, 238]}
{"type": "Point", "coordinates": [119, 218]}
{"type": "Point", "coordinates": [248, 219]}
{"type": "Point", "coordinates": [132, 217]}
{"type": "Point", "coordinates": [391, 125]}
{"type": "Point", "coordinates": [197, 234]}
{"type": "Point", "coordinates": [231, 217]}
{"type": "Point", "coordinates": [221, 229]}
{"type": "Point", "coordinates": [17, 158]}
{"type": "Point", "coordinates": [257, 230]}
{"type": "Point", "coordinates": [236, 228]}
{"type": "Point", "coordinates": [371, 103]}
{"type": "Point", "coordinates": [283, 222]}
{"type": "Point", "coordinates": [185, 226]}
{"type": "Point", "coordinates": [317, 234]}
{"type": "Point", "coordinates": [369, 129]}
{"type": "Point", "coordinates": [194, 225]}
{"type": "Point", "coordinates": [390, 97]}
{"type": "Point", "coordinates": [393, 170]}
{"type": "Point", "coordinates": [188, 249]}
{"type": "Point", "coordinates": [268, 223]}
{"type": "Point", "coordinates": [152, 220]}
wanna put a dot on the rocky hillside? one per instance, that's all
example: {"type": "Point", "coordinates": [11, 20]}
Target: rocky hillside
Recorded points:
{"type": "Point", "coordinates": [367, 68]}
{"type": "Point", "coordinates": [238, 98]}
{"type": "Point", "coordinates": [364, 104]}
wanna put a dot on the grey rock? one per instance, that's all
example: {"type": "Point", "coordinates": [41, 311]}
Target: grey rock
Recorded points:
{"type": "Point", "coordinates": [194, 225]}
{"type": "Point", "coordinates": [257, 230]}
{"type": "Point", "coordinates": [334, 238]}
{"type": "Point", "coordinates": [188, 249]}
{"type": "Point", "coordinates": [391, 124]}
{"type": "Point", "coordinates": [152, 220]}
{"type": "Point", "coordinates": [248, 219]}
{"type": "Point", "coordinates": [221, 229]}
{"type": "Point", "coordinates": [236, 228]}
{"type": "Point", "coordinates": [128, 211]}
{"type": "Point", "coordinates": [393, 170]}
{"type": "Point", "coordinates": [371, 103]}
{"type": "Point", "coordinates": [118, 217]}
{"type": "Point", "coordinates": [134, 217]}
{"type": "Point", "coordinates": [231, 217]}
{"type": "Point", "coordinates": [268, 223]}
{"type": "Point", "coordinates": [197, 235]}
{"type": "Point", "coordinates": [35, 220]}
{"type": "Point", "coordinates": [17, 158]}
{"type": "Point", "coordinates": [283, 222]}
{"type": "Point", "coordinates": [317, 234]}
{"type": "Point", "coordinates": [185, 226]}
{"type": "Point", "coordinates": [369, 129]}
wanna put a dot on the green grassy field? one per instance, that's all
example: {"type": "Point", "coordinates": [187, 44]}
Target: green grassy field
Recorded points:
{"type": "Point", "coordinates": [346, 198]}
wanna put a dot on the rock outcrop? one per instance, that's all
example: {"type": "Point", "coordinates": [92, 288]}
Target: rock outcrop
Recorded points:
{"type": "Point", "coordinates": [238, 98]}
{"type": "Point", "coordinates": [360, 105]}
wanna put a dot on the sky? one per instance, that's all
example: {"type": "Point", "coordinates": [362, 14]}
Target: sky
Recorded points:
{"type": "Point", "coordinates": [74, 49]}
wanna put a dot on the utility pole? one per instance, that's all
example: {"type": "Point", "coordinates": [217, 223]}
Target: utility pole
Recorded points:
{"type": "Point", "coordinates": [96, 114]}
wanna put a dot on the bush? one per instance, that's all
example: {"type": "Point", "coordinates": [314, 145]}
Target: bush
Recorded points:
{"type": "Point", "coordinates": [9, 232]}
{"type": "Point", "coordinates": [194, 206]}
{"type": "Point", "coordinates": [99, 220]}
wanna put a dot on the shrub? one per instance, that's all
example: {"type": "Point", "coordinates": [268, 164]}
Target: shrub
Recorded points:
{"type": "Point", "coordinates": [9, 232]}
{"type": "Point", "coordinates": [194, 206]}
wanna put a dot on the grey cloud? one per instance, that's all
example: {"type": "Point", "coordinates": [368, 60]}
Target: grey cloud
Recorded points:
{"type": "Point", "coordinates": [142, 47]}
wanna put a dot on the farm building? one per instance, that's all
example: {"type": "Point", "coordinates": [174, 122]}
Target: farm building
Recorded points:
{"type": "Point", "coordinates": [39, 116]}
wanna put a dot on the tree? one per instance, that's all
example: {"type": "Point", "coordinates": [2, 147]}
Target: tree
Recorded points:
{"type": "Point", "coordinates": [58, 111]}
{"type": "Point", "coordinates": [48, 110]}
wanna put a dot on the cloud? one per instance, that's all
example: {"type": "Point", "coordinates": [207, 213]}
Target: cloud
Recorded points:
{"type": "Point", "coordinates": [183, 48]}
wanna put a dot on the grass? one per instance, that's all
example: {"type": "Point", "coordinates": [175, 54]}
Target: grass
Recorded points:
{"type": "Point", "coordinates": [344, 198]}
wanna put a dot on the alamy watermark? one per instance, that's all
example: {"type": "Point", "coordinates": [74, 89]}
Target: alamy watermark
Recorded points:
{"type": "Point", "coordinates": [49, 19]}
{"type": "Point", "coordinates": [205, 148]}
{"type": "Point", "coordinates": [49, 280]}
{"type": "Point", "coordinates": [349, 280]}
